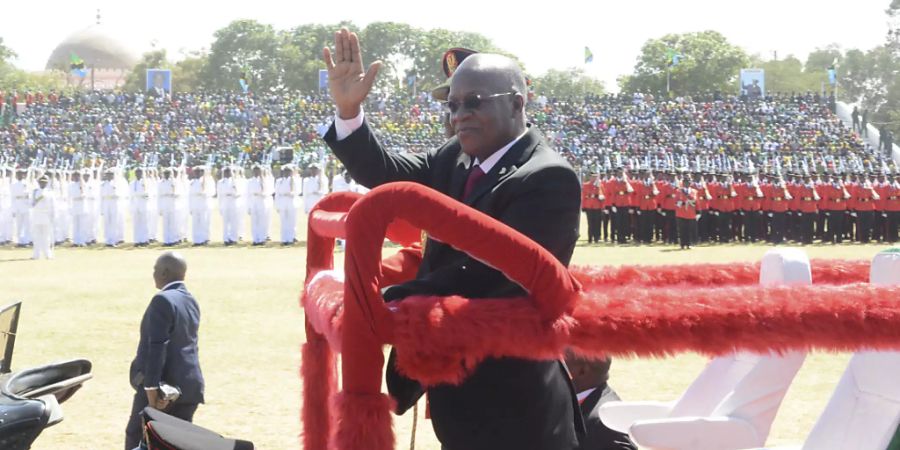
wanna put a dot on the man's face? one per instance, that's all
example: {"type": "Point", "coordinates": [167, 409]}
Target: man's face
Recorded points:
{"type": "Point", "coordinates": [108, 177]}
{"type": "Point", "coordinates": [159, 80]}
{"type": "Point", "coordinates": [167, 175]}
{"type": "Point", "coordinates": [20, 176]}
{"type": "Point", "coordinates": [482, 123]}
{"type": "Point", "coordinates": [256, 172]}
{"type": "Point", "coordinates": [139, 174]}
{"type": "Point", "coordinates": [285, 173]}
{"type": "Point", "coordinates": [42, 183]}
{"type": "Point", "coordinates": [227, 173]}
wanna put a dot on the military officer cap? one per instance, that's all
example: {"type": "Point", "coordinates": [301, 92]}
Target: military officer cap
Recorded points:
{"type": "Point", "coordinates": [449, 62]}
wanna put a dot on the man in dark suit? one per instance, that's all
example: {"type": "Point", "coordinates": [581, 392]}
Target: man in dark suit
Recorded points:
{"type": "Point", "coordinates": [167, 351]}
{"type": "Point", "coordinates": [500, 165]}
{"type": "Point", "coordinates": [590, 378]}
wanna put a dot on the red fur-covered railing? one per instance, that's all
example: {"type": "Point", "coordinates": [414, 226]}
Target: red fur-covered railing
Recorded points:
{"type": "Point", "coordinates": [710, 275]}
{"type": "Point", "coordinates": [633, 310]}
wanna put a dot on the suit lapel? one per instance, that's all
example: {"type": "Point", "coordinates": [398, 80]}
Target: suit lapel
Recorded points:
{"type": "Point", "coordinates": [517, 155]}
{"type": "Point", "coordinates": [459, 175]}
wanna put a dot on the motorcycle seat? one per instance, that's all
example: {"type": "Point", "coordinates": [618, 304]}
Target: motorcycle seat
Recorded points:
{"type": "Point", "coordinates": [168, 432]}
{"type": "Point", "coordinates": [61, 379]}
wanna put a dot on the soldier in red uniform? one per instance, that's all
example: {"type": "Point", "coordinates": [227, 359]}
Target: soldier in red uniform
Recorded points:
{"type": "Point", "coordinates": [865, 198]}
{"type": "Point", "coordinates": [592, 206]}
{"type": "Point", "coordinates": [606, 202]}
{"type": "Point", "coordinates": [621, 191]}
{"type": "Point", "coordinates": [879, 226]}
{"type": "Point", "coordinates": [778, 198]}
{"type": "Point", "coordinates": [724, 199]}
{"type": "Point", "coordinates": [645, 194]}
{"type": "Point", "coordinates": [892, 207]}
{"type": "Point", "coordinates": [686, 212]}
{"type": "Point", "coordinates": [666, 201]}
{"type": "Point", "coordinates": [808, 209]}
{"type": "Point", "coordinates": [703, 199]}
{"type": "Point", "coordinates": [835, 197]}
{"type": "Point", "coordinates": [750, 197]}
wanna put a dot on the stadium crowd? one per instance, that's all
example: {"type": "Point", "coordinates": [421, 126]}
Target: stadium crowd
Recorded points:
{"type": "Point", "coordinates": [725, 142]}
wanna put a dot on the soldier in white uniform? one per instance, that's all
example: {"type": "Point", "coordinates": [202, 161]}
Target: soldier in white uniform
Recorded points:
{"type": "Point", "coordinates": [139, 192]}
{"type": "Point", "coordinates": [91, 205]}
{"type": "Point", "coordinates": [6, 218]}
{"type": "Point", "coordinates": [112, 201]}
{"type": "Point", "coordinates": [78, 210]}
{"type": "Point", "coordinates": [42, 200]}
{"type": "Point", "coordinates": [152, 177]}
{"type": "Point", "coordinates": [315, 186]}
{"type": "Point", "coordinates": [182, 202]}
{"type": "Point", "coordinates": [229, 193]}
{"type": "Point", "coordinates": [259, 194]}
{"type": "Point", "coordinates": [61, 220]}
{"type": "Point", "coordinates": [168, 208]}
{"type": "Point", "coordinates": [202, 190]}
{"type": "Point", "coordinates": [21, 204]}
{"type": "Point", "coordinates": [287, 191]}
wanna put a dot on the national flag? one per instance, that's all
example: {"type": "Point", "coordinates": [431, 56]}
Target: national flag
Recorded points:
{"type": "Point", "coordinates": [588, 56]}
{"type": "Point", "coordinates": [674, 58]}
{"type": "Point", "coordinates": [76, 65]}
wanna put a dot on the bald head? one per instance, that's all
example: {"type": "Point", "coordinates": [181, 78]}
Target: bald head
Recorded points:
{"type": "Point", "coordinates": [487, 103]}
{"type": "Point", "coordinates": [169, 267]}
{"type": "Point", "coordinates": [497, 72]}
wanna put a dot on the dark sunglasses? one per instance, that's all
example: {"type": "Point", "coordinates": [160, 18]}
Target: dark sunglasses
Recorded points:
{"type": "Point", "coordinates": [472, 101]}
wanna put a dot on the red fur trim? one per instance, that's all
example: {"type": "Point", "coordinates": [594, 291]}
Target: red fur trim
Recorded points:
{"type": "Point", "coordinates": [364, 422]}
{"type": "Point", "coordinates": [323, 303]}
{"type": "Point", "coordinates": [318, 374]}
{"type": "Point", "coordinates": [437, 339]}
{"type": "Point", "coordinates": [824, 271]}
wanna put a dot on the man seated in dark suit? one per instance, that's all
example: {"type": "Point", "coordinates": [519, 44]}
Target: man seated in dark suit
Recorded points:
{"type": "Point", "coordinates": [500, 165]}
{"type": "Point", "coordinates": [167, 351]}
{"type": "Point", "coordinates": [590, 378]}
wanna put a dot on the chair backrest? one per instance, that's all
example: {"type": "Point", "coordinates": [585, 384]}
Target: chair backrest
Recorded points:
{"type": "Point", "coordinates": [864, 411]}
{"type": "Point", "coordinates": [757, 397]}
{"type": "Point", "coordinates": [748, 371]}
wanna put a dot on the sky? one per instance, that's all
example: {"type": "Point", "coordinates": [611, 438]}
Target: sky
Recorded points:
{"type": "Point", "coordinates": [548, 34]}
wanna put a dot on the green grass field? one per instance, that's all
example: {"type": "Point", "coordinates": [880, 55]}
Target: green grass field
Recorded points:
{"type": "Point", "coordinates": [89, 302]}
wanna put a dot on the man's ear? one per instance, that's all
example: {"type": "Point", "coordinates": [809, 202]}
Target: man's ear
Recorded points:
{"type": "Point", "coordinates": [518, 103]}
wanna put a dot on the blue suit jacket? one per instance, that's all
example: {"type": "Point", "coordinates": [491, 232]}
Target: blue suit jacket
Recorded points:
{"type": "Point", "coordinates": [168, 347]}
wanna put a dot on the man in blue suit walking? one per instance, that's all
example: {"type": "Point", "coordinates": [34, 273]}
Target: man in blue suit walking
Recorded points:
{"type": "Point", "coordinates": [167, 351]}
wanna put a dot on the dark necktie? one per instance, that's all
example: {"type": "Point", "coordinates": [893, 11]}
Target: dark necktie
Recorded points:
{"type": "Point", "coordinates": [475, 174]}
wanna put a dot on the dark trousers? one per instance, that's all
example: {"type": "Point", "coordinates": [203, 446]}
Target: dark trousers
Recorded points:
{"type": "Point", "coordinates": [712, 226]}
{"type": "Point", "coordinates": [134, 430]}
{"type": "Point", "coordinates": [672, 228]}
{"type": "Point", "coordinates": [645, 225]}
{"type": "Point", "coordinates": [779, 224]}
{"type": "Point", "coordinates": [703, 226]}
{"type": "Point", "coordinates": [686, 229]}
{"type": "Point", "coordinates": [864, 225]}
{"type": "Point", "coordinates": [594, 222]}
{"type": "Point", "coordinates": [820, 225]}
{"type": "Point", "coordinates": [725, 219]}
{"type": "Point", "coordinates": [659, 227]}
{"type": "Point", "coordinates": [604, 223]}
{"type": "Point", "coordinates": [738, 223]}
{"type": "Point", "coordinates": [753, 225]}
{"type": "Point", "coordinates": [623, 224]}
{"type": "Point", "coordinates": [893, 226]}
{"type": "Point", "coordinates": [807, 224]}
{"type": "Point", "coordinates": [835, 232]}
{"type": "Point", "coordinates": [878, 226]}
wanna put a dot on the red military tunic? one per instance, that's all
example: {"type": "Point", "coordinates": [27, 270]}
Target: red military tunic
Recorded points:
{"type": "Point", "coordinates": [808, 199]}
{"type": "Point", "coordinates": [686, 203]}
{"type": "Point", "coordinates": [590, 194]}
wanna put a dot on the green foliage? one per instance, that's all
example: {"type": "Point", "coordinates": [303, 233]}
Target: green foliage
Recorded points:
{"type": "Point", "coordinates": [187, 75]}
{"type": "Point", "coordinates": [572, 82]}
{"type": "Point", "coordinates": [708, 63]}
{"type": "Point", "coordinates": [137, 79]}
{"type": "Point", "coordinates": [789, 75]}
{"type": "Point", "coordinates": [245, 46]}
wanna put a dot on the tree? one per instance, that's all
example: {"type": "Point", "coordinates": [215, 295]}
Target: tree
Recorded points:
{"type": "Point", "coordinates": [187, 75]}
{"type": "Point", "coordinates": [706, 62]}
{"type": "Point", "coordinates": [249, 48]}
{"type": "Point", "coordinates": [6, 53]}
{"type": "Point", "coordinates": [572, 82]}
{"type": "Point", "coordinates": [788, 75]}
{"type": "Point", "coordinates": [137, 79]}
{"type": "Point", "coordinates": [301, 54]}
{"type": "Point", "coordinates": [822, 58]}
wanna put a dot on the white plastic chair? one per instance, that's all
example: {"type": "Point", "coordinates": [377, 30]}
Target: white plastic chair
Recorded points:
{"type": "Point", "coordinates": [733, 402]}
{"type": "Point", "coordinates": [864, 410]}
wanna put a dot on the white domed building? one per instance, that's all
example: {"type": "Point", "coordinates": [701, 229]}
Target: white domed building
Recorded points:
{"type": "Point", "coordinates": [106, 61]}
